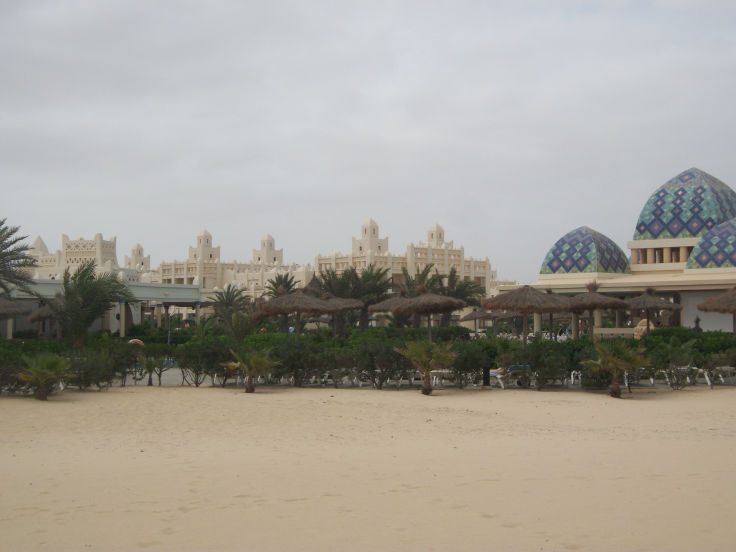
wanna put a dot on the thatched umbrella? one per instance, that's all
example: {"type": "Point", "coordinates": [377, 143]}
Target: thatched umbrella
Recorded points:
{"type": "Point", "coordinates": [297, 302]}
{"type": "Point", "coordinates": [562, 302]}
{"type": "Point", "coordinates": [429, 304]}
{"type": "Point", "coordinates": [526, 300]}
{"type": "Point", "coordinates": [475, 315]}
{"type": "Point", "coordinates": [337, 305]}
{"type": "Point", "coordinates": [724, 302]}
{"type": "Point", "coordinates": [40, 314]}
{"type": "Point", "coordinates": [313, 288]}
{"type": "Point", "coordinates": [11, 309]}
{"type": "Point", "coordinates": [649, 302]}
{"type": "Point", "coordinates": [387, 305]}
{"type": "Point", "coordinates": [591, 300]}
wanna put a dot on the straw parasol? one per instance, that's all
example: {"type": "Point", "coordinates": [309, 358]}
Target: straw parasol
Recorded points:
{"type": "Point", "coordinates": [724, 302]}
{"type": "Point", "coordinates": [337, 305]}
{"type": "Point", "coordinates": [475, 315]}
{"type": "Point", "coordinates": [387, 305]}
{"type": "Point", "coordinates": [563, 302]}
{"type": "Point", "coordinates": [11, 309]}
{"type": "Point", "coordinates": [313, 288]}
{"type": "Point", "coordinates": [429, 304]}
{"type": "Point", "coordinates": [591, 300]}
{"type": "Point", "coordinates": [526, 300]}
{"type": "Point", "coordinates": [649, 302]}
{"type": "Point", "coordinates": [41, 313]}
{"type": "Point", "coordinates": [297, 302]}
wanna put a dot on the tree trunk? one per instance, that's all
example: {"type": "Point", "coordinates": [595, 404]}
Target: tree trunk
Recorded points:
{"type": "Point", "coordinates": [250, 387]}
{"type": "Point", "coordinates": [42, 392]}
{"type": "Point", "coordinates": [615, 389]}
{"type": "Point", "coordinates": [427, 383]}
{"type": "Point", "coordinates": [150, 379]}
{"type": "Point", "coordinates": [524, 329]}
{"type": "Point", "coordinates": [364, 318]}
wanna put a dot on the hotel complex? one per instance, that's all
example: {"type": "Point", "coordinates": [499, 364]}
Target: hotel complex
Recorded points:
{"type": "Point", "coordinates": [683, 246]}
{"type": "Point", "coordinates": [204, 269]}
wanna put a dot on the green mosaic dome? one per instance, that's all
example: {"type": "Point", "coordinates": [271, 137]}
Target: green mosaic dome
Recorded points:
{"type": "Point", "coordinates": [717, 249]}
{"type": "Point", "coordinates": [585, 250]}
{"type": "Point", "coordinates": [687, 206]}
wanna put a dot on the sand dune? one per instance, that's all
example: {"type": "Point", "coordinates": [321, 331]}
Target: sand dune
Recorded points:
{"type": "Point", "coordinates": [357, 469]}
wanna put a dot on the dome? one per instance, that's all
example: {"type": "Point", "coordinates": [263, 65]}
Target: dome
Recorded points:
{"type": "Point", "coordinates": [585, 250]}
{"type": "Point", "coordinates": [717, 249]}
{"type": "Point", "coordinates": [686, 206]}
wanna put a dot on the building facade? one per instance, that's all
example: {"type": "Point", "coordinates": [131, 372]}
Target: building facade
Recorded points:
{"type": "Point", "coordinates": [51, 266]}
{"type": "Point", "coordinates": [371, 249]}
{"type": "Point", "coordinates": [204, 268]}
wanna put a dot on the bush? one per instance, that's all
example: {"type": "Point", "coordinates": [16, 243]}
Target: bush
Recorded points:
{"type": "Point", "coordinates": [90, 366]}
{"type": "Point", "coordinates": [201, 357]}
{"type": "Point", "coordinates": [470, 362]}
{"type": "Point", "coordinates": [43, 373]}
{"type": "Point", "coordinates": [300, 361]}
{"type": "Point", "coordinates": [11, 359]}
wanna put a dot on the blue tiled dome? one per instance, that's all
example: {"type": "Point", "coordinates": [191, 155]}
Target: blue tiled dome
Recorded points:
{"type": "Point", "coordinates": [687, 206]}
{"type": "Point", "coordinates": [717, 249]}
{"type": "Point", "coordinates": [584, 250]}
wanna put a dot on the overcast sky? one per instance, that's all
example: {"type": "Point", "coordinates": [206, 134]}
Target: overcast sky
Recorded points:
{"type": "Point", "coordinates": [507, 123]}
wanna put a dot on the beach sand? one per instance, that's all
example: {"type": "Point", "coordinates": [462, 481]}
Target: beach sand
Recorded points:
{"type": "Point", "coordinates": [176, 468]}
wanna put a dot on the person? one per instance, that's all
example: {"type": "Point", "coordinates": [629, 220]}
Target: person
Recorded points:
{"type": "Point", "coordinates": [697, 328]}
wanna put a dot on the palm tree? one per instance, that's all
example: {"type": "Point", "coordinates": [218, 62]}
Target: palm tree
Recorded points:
{"type": "Point", "coordinates": [253, 363]}
{"type": "Point", "coordinates": [281, 284]}
{"type": "Point", "coordinates": [426, 356]}
{"type": "Point", "coordinates": [234, 307]}
{"type": "Point", "coordinates": [370, 287]}
{"type": "Point", "coordinates": [468, 291]}
{"type": "Point", "coordinates": [421, 282]}
{"type": "Point", "coordinates": [14, 260]}
{"type": "Point", "coordinates": [44, 372]}
{"type": "Point", "coordinates": [86, 297]}
{"type": "Point", "coordinates": [339, 285]}
{"type": "Point", "coordinates": [616, 357]}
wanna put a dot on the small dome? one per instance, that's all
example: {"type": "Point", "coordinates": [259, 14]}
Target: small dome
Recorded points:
{"type": "Point", "coordinates": [686, 206]}
{"type": "Point", "coordinates": [204, 233]}
{"type": "Point", "coordinates": [717, 249]}
{"type": "Point", "coordinates": [436, 228]}
{"type": "Point", "coordinates": [267, 237]}
{"type": "Point", "coordinates": [585, 250]}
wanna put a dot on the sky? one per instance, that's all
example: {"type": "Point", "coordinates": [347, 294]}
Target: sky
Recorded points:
{"type": "Point", "coordinates": [508, 123]}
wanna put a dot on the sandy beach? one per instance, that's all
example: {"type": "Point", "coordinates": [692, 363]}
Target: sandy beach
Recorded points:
{"type": "Point", "coordinates": [176, 468]}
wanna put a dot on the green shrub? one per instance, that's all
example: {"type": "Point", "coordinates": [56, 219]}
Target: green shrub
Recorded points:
{"type": "Point", "coordinates": [91, 366]}
{"type": "Point", "coordinates": [43, 373]}
{"type": "Point", "coordinates": [470, 362]}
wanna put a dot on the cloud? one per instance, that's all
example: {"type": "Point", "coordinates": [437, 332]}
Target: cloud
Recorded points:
{"type": "Point", "coordinates": [509, 124]}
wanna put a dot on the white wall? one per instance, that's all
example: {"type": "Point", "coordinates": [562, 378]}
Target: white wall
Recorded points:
{"type": "Point", "coordinates": [708, 320]}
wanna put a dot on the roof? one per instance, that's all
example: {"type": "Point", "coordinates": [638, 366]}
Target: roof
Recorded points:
{"type": "Point", "coordinates": [686, 206]}
{"type": "Point", "coordinates": [585, 250]}
{"type": "Point", "coordinates": [716, 249]}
